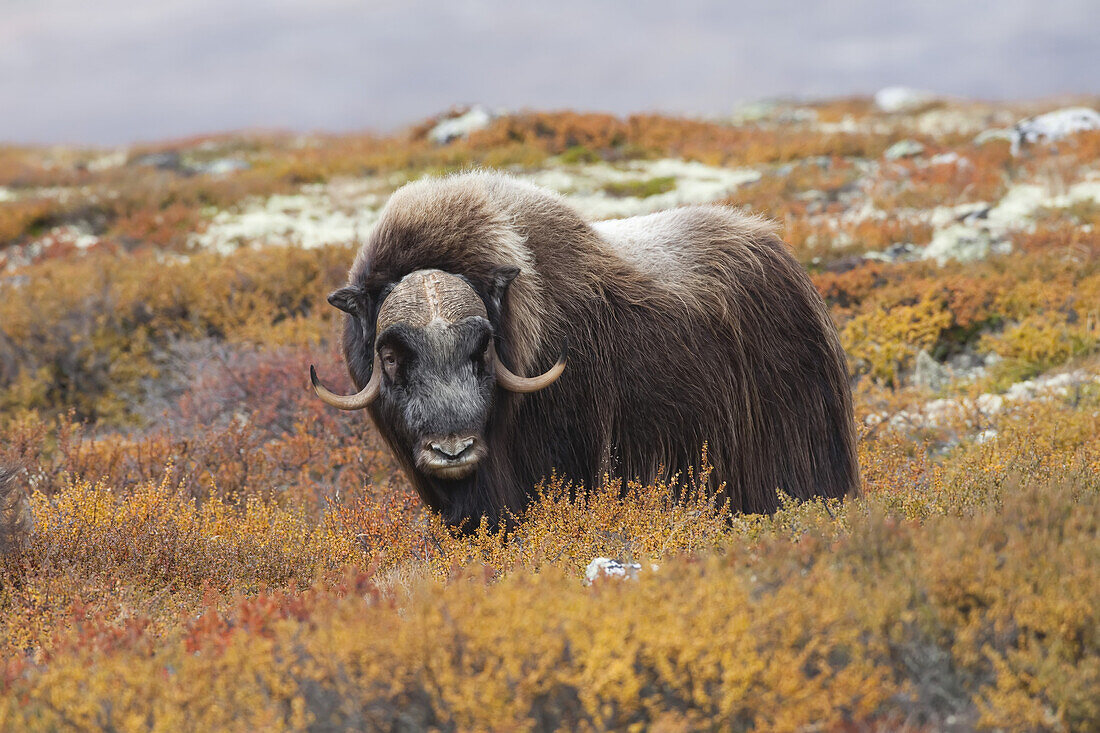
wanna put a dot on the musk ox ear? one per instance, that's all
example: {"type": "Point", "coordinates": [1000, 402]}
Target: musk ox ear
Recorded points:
{"type": "Point", "coordinates": [351, 300]}
{"type": "Point", "coordinates": [499, 280]}
{"type": "Point", "coordinates": [358, 341]}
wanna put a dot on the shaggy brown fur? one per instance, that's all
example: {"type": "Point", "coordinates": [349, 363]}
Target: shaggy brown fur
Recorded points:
{"type": "Point", "coordinates": [15, 514]}
{"type": "Point", "coordinates": [685, 327]}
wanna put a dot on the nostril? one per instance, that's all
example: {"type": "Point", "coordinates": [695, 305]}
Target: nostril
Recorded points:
{"type": "Point", "coordinates": [453, 448]}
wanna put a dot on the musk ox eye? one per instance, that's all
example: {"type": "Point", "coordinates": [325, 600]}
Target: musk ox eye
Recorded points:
{"type": "Point", "coordinates": [389, 362]}
{"type": "Point", "coordinates": [480, 354]}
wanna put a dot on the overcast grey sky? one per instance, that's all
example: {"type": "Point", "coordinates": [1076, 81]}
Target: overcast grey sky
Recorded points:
{"type": "Point", "coordinates": [115, 71]}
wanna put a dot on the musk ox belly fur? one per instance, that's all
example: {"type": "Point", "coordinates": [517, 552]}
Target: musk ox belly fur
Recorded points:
{"type": "Point", "coordinates": [685, 328]}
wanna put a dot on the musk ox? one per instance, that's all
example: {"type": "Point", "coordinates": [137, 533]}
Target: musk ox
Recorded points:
{"type": "Point", "coordinates": [684, 328]}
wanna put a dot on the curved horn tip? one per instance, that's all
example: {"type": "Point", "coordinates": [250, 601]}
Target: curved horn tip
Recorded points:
{"type": "Point", "coordinates": [357, 401]}
{"type": "Point", "coordinates": [526, 385]}
{"type": "Point", "coordinates": [315, 382]}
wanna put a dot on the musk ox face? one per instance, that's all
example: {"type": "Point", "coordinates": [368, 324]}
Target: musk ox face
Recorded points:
{"type": "Point", "coordinates": [436, 392]}
{"type": "Point", "coordinates": [435, 370]}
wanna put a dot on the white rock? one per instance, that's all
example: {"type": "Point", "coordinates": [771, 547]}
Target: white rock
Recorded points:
{"type": "Point", "coordinates": [476, 118]}
{"type": "Point", "coordinates": [903, 149]}
{"type": "Point", "coordinates": [902, 99]}
{"type": "Point", "coordinates": [221, 166]}
{"type": "Point", "coordinates": [1054, 126]}
{"type": "Point", "coordinates": [949, 158]}
{"type": "Point", "coordinates": [959, 242]}
{"type": "Point", "coordinates": [985, 436]}
{"type": "Point", "coordinates": [606, 567]}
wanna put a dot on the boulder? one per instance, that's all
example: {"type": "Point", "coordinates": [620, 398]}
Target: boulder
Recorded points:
{"type": "Point", "coordinates": [930, 374]}
{"type": "Point", "coordinates": [476, 118]}
{"type": "Point", "coordinates": [902, 99]}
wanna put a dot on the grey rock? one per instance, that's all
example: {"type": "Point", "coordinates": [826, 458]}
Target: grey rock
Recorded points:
{"type": "Point", "coordinates": [844, 264]}
{"type": "Point", "coordinates": [930, 374]}
{"type": "Point", "coordinates": [966, 365]}
{"type": "Point", "coordinates": [168, 160]}
{"type": "Point", "coordinates": [897, 252]}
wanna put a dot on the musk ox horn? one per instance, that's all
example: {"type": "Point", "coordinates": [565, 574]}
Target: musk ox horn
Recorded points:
{"type": "Point", "coordinates": [526, 385]}
{"type": "Point", "coordinates": [357, 401]}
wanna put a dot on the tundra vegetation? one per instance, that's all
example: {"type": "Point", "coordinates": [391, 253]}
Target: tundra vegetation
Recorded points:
{"type": "Point", "coordinates": [213, 548]}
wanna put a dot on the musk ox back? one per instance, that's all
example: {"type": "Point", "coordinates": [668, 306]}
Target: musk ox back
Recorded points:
{"type": "Point", "coordinates": [684, 328]}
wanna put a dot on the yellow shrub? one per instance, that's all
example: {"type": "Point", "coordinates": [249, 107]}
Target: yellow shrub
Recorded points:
{"type": "Point", "coordinates": [885, 342]}
{"type": "Point", "coordinates": [1041, 341]}
{"type": "Point", "coordinates": [989, 617]}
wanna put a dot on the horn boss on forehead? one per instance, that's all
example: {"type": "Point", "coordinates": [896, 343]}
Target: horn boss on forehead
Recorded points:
{"type": "Point", "coordinates": [425, 295]}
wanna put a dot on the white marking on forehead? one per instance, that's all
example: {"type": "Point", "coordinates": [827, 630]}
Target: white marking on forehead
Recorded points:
{"type": "Point", "coordinates": [432, 282]}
